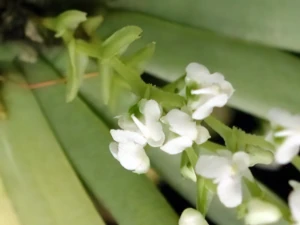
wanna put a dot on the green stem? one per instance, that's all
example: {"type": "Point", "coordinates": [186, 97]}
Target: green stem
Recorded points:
{"type": "Point", "coordinates": [166, 99]}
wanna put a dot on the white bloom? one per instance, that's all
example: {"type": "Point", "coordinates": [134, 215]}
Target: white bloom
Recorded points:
{"type": "Point", "coordinates": [261, 212]}
{"type": "Point", "coordinates": [191, 217]}
{"type": "Point", "coordinates": [227, 170]}
{"type": "Point", "coordinates": [131, 156]}
{"type": "Point", "coordinates": [128, 147]}
{"type": "Point", "coordinates": [294, 202]}
{"type": "Point", "coordinates": [287, 127]}
{"type": "Point", "coordinates": [184, 131]}
{"type": "Point", "coordinates": [148, 123]}
{"type": "Point", "coordinates": [207, 90]}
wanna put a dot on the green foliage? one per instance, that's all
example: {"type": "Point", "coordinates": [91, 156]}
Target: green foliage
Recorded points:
{"type": "Point", "coordinates": [38, 178]}
{"type": "Point", "coordinates": [268, 22]}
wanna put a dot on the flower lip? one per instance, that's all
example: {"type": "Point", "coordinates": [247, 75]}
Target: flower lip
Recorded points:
{"type": "Point", "coordinates": [213, 90]}
{"type": "Point", "coordinates": [227, 170]}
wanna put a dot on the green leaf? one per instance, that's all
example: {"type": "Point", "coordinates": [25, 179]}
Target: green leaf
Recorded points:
{"type": "Point", "coordinates": [118, 42]}
{"type": "Point", "coordinates": [132, 199]}
{"type": "Point", "coordinates": [91, 24]}
{"type": "Point", "coordinates": [139, 59]}
{"type": "Point", "coordinates": [39, 180]}
{"type": "Point", "coordinates": [262, 77]}
{"type": "Point", "coordinates": [268, 22]}
{"type": "Point", "coordinates": [7, 213]}
{"type": "Point", "coordinates": [65, 23]}
{"type": "Point", "coordinates": [77, 66]}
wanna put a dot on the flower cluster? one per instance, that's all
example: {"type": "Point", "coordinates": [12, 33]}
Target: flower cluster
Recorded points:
{"type": "Point", "coordinates": [172, 131]}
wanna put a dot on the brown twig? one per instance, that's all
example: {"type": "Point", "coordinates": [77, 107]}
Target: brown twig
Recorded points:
{"type": "Point", "coordinates": [53, 82]}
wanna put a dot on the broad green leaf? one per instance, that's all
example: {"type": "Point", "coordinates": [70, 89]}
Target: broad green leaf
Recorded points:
{"type": "Point", "coordinates": [132, 199]}
{"type": "Point", "coordinates": [8, 215]}
{"type": "Point", "coordinates": [262, 77]}
{"type": "Point", "coordinates": [269, 22]}
{"type": "Point", "coordinates": [39, 180]}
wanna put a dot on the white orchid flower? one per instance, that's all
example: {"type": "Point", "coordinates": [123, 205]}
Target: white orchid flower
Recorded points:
{"type": "Point", "coordinates": [128, 147]}
{"type": "Point", "coordinates": [149, 122]}
{"type": "Point", "coordinates": [294, 202]}
{"type": "Point", "coordinates": [227, 170]}
{"type": "Point", "coordinates": [287, 127]}
{"type": "Point", "coordinates": [183, 131]}
{"type": "Point", "coordinates": [191, 216]}
{"type": "Point", "coordinates": [261, 212]}
{"type": "Point", "coordinates": [207, 90]}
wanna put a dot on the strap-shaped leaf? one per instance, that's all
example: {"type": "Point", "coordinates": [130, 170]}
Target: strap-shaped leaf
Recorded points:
{"type": "Point", "coordinates": [268, 22]}
{"type": "Point", "coordinates": [39, 180]}
{"type": "Point", "coordinates": [8, 215]}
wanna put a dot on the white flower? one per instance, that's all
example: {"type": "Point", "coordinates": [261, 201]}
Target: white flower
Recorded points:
{"type": "Point", "coordinates": [294, 202]}
{"type": "Point", "coordinates": [261, 212]}
{"type": "Point", "coordinates": [148, 122]}
{"type": "Point", "coordinates": [183, 132]}
{"type": "Point", "coordinates": [227, 170]}
{"type": "Point", "coordinates": [131, 156]}
{"type": "Point", "coordinates": [128, 147]}
{"type": "Point", "coordinates": [287, 127]}
{"type": "Point", "coordinates": [207, 90]}
{"type": "Point", "coordinates": [191, 217]}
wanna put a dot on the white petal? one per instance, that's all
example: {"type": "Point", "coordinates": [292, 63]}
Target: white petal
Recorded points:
{"type": "Point", "coordinates": [211, 90]}
{"type": "Point", "coordinates": [287, 150]}
{"type": "Point", "coordinates": [151, 110]}
{"type": "Point", "coordinates": [181, 123]}
{"type": "Point", "coordinates": [157, 135]}
{"type": "Point", "coordinates": [206, 109]}
{"type": "Point", "coordinates": [213, 166]}
{"type": "Point", "coordinates": [176, 145]}
{"type": "Point", "coordinates": [294, 204]}
{"type": "Point", "coordinates": [196, 72]}
{"type": "Point", "coordinates": [152, 131]}
{"type": "Point", "coordinates": [203, 135]}
{"type": "Point", "coordinates": [261, 212]}
{"type": "Point", "coordinates": [126, 123]}
{"type": "Point", "coordinates": [133, 157]}
{"type": "Point", "coordinates": [113, 147]}
{"type": "Point", "coordinates": [284, 118]}
{"type": "Point", "coordinates": [230, 191]}
{"type": "Point", "coordinates": [191, 217]}
{"type": "Point", "coordinates": [241, 160]}
{"type": "Point", "coordinates": [124, 136]}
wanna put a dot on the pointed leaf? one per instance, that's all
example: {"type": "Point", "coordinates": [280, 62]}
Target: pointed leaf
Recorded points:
{"type": "Point", "coordinates": [39, 180]}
